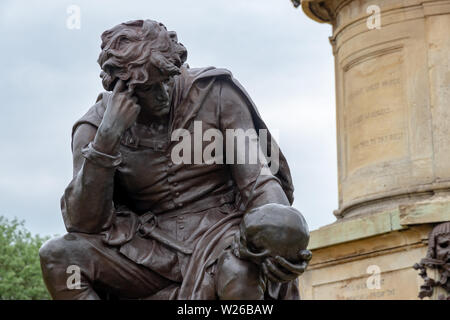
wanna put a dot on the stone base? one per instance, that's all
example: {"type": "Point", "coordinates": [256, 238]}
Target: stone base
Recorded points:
{"type": "Point", "coordinates": [372, 257]}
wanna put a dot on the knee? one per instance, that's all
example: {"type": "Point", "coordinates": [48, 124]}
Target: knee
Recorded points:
{"type": "Point", "coordinates": [238, 279]}
{"type": "Point", "coordinates": [51, 249]}
{"type": "Point", "coordinates": [59, 249]}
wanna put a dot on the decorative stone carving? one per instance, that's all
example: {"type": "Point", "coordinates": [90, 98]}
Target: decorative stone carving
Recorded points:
{"type": "Point", "coordinates": [438, 258]}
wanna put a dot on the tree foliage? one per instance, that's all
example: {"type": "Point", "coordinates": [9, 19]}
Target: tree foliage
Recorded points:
{"type": "Point", "coordinates": [20, 271]}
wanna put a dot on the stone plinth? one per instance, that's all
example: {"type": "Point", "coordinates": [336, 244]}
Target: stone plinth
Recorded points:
{"type": "Point", "coordinates": [348, 253]}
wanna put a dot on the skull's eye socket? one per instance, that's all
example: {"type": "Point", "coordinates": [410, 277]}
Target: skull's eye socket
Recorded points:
{"type": "Point", "coordinates": [248, 245]}
{"type": "Point", "coordinates": [252, 248]}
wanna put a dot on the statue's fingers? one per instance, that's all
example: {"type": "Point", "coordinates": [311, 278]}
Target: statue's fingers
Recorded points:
{"type": "Point", "coordinates": [284, 277]}
{"type": "Point", "coordinates": [133, 99]}
{"type": "Point", "coordinates": [247, 254]}
{"type": "Point", "coordinates": [294, 268]}
{"type": "Point", "coordinates": [119, 86]}
{"type": "Point", "coordinates": [268, 274]}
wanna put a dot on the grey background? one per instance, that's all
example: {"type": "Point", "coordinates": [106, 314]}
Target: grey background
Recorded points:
{"type": "Point", "coordinates": [49, 78]}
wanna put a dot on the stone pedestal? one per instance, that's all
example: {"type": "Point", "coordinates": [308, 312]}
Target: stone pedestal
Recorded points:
{"type": "Point", "coordinates": [393, 138]}
{"type": "Point", "coordinates": [351, 255]}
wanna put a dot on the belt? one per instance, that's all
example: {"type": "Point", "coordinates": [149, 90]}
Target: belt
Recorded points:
{"type": "Point", "coordinates": [148, 228]}
{"type": "Point", "coordinates": [198, 206]}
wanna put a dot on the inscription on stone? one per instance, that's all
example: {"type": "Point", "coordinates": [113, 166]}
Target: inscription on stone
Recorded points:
{"type": "Point", "coordinates": [356, 288]}
{"type": "Point", "coordinates": [375, 112]}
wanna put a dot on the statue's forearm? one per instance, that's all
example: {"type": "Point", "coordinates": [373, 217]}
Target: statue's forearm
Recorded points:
{"type": "Point", "coordinates": [87, 203]}
{"type": "Point", "coordinates": [266, 189]}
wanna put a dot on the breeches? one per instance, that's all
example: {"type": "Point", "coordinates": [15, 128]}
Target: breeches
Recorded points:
{"type": "Point", "coordinates": [80, 266]}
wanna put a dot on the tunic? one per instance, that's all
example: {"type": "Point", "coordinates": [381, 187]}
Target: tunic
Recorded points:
{"type": "Point", "coordinates": [199, 204]}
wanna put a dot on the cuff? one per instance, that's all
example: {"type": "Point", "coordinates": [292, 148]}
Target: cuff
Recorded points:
{"type": "Point", "coordinates": [101, 159]}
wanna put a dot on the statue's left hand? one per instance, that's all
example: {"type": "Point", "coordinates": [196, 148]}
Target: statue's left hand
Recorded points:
{"type": "Point", "coordinates": [279, 269]}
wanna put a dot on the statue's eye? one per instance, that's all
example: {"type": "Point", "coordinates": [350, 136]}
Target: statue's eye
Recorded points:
{"type": "Point", "coordinates": [173, 36]}
{"type": "Point", "coordinates": [123, 41]}
{"type": "Point", "coordinates": [144, 88]}
{"type": "Point", "coordinates": [443, 244]}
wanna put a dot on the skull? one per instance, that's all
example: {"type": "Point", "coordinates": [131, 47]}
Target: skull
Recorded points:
{"type": "Point", "coordinates": [273, 230]}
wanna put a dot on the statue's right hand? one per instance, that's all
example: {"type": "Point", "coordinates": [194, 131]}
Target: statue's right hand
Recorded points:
{"type": "Point", "coordinates": [121, 112]}
{"type": "Point", "coordinates": [121, 109]}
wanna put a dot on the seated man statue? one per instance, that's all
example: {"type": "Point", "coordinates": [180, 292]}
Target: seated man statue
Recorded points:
{"type": "Point", "coordinates": [148, 217]}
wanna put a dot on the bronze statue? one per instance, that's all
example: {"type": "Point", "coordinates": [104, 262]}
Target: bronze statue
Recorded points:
{"type": "Point", "coordinates": [144, 226]}
{"type": "Point", "coordinates": [438, 258]}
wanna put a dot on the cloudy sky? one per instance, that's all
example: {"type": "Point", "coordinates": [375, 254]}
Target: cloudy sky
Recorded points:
{"type": "Point", "coordinates": [50, 78]}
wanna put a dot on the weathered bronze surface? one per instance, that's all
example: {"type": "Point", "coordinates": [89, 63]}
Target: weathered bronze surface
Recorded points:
{"type": "Point", "coordinates": [143, 226]}
{"type": "Point", "coordinates": [438, 258]}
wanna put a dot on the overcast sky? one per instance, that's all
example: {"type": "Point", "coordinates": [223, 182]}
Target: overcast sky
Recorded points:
{"type": "Point", "coordinates": [49, 78]}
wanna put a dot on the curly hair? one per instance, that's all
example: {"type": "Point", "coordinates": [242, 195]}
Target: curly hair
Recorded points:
{"type": "Point", "coordinates": [139, 52]}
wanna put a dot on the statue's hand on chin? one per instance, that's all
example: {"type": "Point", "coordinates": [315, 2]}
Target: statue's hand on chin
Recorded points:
{"type": "Point", "coordinates": [121, 112]}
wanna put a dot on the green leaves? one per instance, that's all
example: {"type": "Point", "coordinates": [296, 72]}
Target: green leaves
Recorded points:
{"type": "Point", "coordinates": [20, 271]}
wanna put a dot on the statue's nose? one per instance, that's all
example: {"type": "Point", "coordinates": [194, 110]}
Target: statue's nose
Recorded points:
{"type": "Point", "coordinates": [163, 93]}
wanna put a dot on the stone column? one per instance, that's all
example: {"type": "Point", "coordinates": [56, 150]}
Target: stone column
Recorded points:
{"type": "Point", "coordinates": [392, 100]}
{"type": "Point", "coordinates": [392, 68]}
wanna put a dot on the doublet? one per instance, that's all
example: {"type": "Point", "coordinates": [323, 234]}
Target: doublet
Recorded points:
{"type": "Point", "coordinates": [198, 204]}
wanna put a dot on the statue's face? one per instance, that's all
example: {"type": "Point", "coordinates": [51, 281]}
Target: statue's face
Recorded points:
{"type": "Point", "coordinates": [155, 98]}
{"type": "Point", "coordinates": [443, 247]}
{"type": "Point", "coordinates": [146, 56]}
